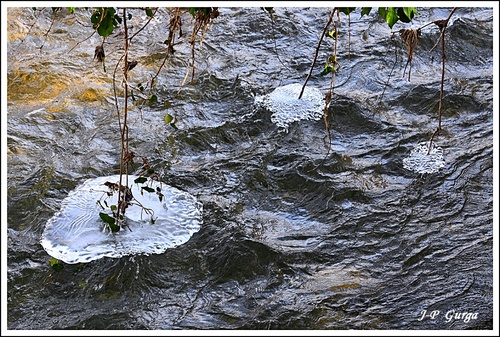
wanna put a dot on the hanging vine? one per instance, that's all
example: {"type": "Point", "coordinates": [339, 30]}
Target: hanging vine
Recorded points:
{"type": "Point", "coordinates": [203, 17]}
{"type": "Point", "coordinates": [442, 24]}
{"type": "Point", "coordinates": [105, 20]}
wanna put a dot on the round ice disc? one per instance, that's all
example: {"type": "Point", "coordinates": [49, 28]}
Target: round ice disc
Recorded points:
{"type": "Point", "coordinates": [286, 107]}
{"type": "Point", "coordinates": [154, 222]}
{"type": "Point", "coordinates": [421, 160]}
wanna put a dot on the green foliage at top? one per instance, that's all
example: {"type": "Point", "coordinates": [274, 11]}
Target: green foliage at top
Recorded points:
{"type": "Point", "coordinates": [105, 20]}
{"type": "Point", "coordinates": [390, 14]}
{"type": "Point", "coordinates": [194, 10]}
{"type": "Point", "coordinates": [394, 14]}
{"type": "Point", "coordinates": [347, 10]}
{"type": "Point", "coordinates": [365, 11]}
{"type": "Point", "coordinates": [149, 12]}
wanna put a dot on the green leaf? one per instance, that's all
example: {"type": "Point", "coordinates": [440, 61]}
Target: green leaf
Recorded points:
{"type": "Point", "coordinates": [148, 189]}
{"type": "Point", "coordinates": [347, 10]}
{"type": "Point", "coordinates": [391, 17]}
{"type": "Point", "coordinates": [140, 180]}
{"type": "Point", "coordinates": [382, 12]}
{"type": "Point", "coordinates": [55, 264]}
{"type": "Point", "coordinates": [153, 99]}
{"type": "Point", "coordinates": [96, 16]}
{"type": "Point", "coordinates": [365, 11]}
{"type": "Point", "coordinates": [110, 221]}
{"type": "Point", "coordinates": [118, 19]}
{"type": "Point", "coordinates": [406, 13]}
{"type": "Point", "coordinates": [71, 9]}
{"type": "Point", "coordinates": [113, 208]}
{"type": "Point", "coordinates": [168, 118]}
{"type": "Point", "coordinates": [332, 33]}
{"type": "Point", "coordinates": [327, 70]}
{"type": "Point", "coordinates": [106, 27]}
{"type": "Point", "coordinates": [105, 20]}
{"type": "Point", "coordinates": [106, 218]}
{"type": "Point", "coordinates": [149, 12]}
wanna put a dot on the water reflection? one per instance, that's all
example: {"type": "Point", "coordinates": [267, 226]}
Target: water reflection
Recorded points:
{"type": "Point", "coordinates": [294, 236]}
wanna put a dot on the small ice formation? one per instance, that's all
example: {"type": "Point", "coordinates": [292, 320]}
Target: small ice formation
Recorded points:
{"type": "Point", "coordinates": [77, 234]}
{"type": "Point", "coordinates": [423, 161]}
{"type": "Point", "coordinates": [286, 107]}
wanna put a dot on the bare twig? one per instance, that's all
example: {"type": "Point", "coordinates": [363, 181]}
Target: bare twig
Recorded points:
{"type": "Point", "coordinates": [392, 70]}
{"type": "Point", "coordinates": [54, 11]}
{"type": "Point", "coordinates": [442, 24]}
{"type": "Point", "coordinates": [30, 28]}
{"type": "Point", "coordinates": [317, 51]}
{"type": "Point", "coordinates": [328, 97]}
{"type": "Point", "coordinates": [175, 23]}
{"type": "Point", "coordinates": [144, 26]}
{"type": "Point", "coordinates": [122, 204]}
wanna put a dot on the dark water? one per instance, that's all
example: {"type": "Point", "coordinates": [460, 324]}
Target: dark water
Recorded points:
{"type": "Point", "coordinates": [294, 236]}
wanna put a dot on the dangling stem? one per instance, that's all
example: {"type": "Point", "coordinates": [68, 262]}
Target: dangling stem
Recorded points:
{"type": "Point", "coordinates": [317, 51]}
{"type": "Point", "coordinates": [442, 27]}
{"type": "Point", "coordinates": [124, 129]}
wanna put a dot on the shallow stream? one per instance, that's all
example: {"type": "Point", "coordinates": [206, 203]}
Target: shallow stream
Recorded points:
{"type": "Point", "coordinates": [299, 230]}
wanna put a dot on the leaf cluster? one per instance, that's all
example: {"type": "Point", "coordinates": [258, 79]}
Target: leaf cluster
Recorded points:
{"type": "Point", "coordinates": [391, 15]}
{"type": "Point", "coordinates": [105, 19]}
{"type": "Point", "coordinates": [394, 14]}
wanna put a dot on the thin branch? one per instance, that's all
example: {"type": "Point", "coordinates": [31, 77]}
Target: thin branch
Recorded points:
{"type": "Point", "coordinates": [50, 27]}
{"type": "Point", "coordinates": [317, 51]}
{"type": "Point", "coordinates": [124, 130]}
{"type": "Point", "coordinates": [30, 28]}
{"type": "Point", "coordinates": [80, 42]}
{"type": "Point", "coordinates": [329, 96]}
{"type": "Point", "coordinates": [140, 29]}
{"type": "Point", "coordinates": [392, 70]}
{"type": "Point", "coordinates": [442, 24]}
{"type": "Point", "coordinates": [175, 23]}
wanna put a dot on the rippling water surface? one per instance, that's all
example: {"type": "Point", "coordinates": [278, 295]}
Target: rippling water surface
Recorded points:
{"type": "Point", "coordinates": [299, 230]}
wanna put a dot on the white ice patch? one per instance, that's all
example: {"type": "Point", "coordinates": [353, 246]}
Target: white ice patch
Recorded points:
{"type": "Point", "coordinates": [423, 161]}
{"type": "Point", "coordinates": [286, 107]}
{"type": "Point", "coordinates": [77, 234]}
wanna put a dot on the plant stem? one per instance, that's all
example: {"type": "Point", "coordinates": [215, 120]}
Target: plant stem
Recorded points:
{"type": "Point", "coordinates": [442, 24]}
{"type": "Point", "coordinates": [317, 51]}
{"type": "Point", "coordinates": [124, 129]}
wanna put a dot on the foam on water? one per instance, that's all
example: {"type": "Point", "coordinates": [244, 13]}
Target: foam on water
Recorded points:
{"type": "Point", "coordinates": [423, 161]}
{"type": "Point", "coordinates": [77, 234]}
{"type": "Point", "coordinates": [286, 107]}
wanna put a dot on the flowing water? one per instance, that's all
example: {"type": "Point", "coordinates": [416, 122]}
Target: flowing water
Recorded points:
{"type": "Point", "coordinates": [299, 230]}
